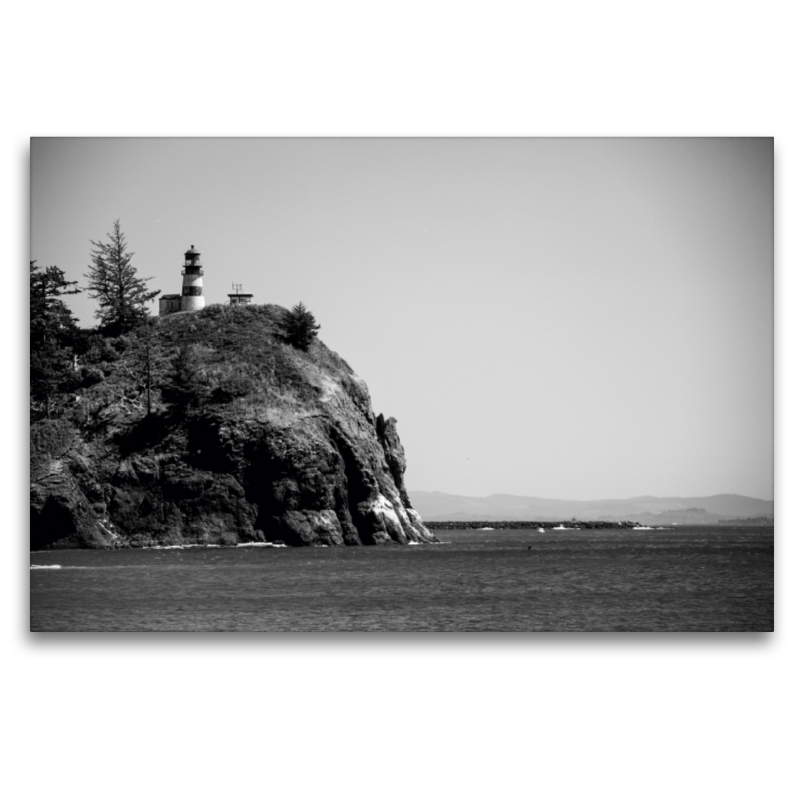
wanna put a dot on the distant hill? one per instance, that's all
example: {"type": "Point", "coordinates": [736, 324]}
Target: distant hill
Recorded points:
{"type": "Point", "coordinates": [646, 509]}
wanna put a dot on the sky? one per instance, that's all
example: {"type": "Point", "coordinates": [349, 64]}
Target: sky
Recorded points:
{"type": "Point", "coordinates": [576, 318]}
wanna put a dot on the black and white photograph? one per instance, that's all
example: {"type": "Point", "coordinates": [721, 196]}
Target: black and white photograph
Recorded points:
{"type": "Point", "coordinates": [402, 402]}
{"type": "Point", "coordinates": [401, 384]}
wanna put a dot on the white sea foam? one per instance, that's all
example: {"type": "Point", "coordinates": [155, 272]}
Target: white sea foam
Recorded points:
{"type": "Point", "coordinates": [642, 528]}
{"type": "Point", "coordinates": [180, 546]}
{"type": "Point", "coordinates": [45, 566]}
{"type": "Point", "coordinates": [259, 544]}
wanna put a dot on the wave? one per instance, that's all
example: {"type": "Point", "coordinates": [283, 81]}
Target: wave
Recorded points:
{"type": "Point", "coordinates": [179, 546]}
{"type": "Point", "coordinates": [261, 544]}
{"type": "Point", "coordinates": [213, 546]}
{"type": "Point", "coordinates": [45, 566]}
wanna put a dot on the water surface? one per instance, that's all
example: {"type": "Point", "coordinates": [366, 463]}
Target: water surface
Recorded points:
{"type": "Point", "coordinates": [682, 579]}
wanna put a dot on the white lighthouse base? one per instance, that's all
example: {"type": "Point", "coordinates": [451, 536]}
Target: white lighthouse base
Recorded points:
{"type": "Point", "coordinates": [192, 302]}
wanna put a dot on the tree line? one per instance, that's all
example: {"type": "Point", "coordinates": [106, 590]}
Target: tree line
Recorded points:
{"type": "Point", "coordinates": [57, 343]}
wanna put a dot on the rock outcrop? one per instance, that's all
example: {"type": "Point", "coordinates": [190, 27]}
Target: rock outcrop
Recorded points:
{"type": "Point", "coordinates": [264, 443]}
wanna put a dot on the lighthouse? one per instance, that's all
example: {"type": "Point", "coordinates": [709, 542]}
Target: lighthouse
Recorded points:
{"type": "Point", "coordinates": [192, 295]}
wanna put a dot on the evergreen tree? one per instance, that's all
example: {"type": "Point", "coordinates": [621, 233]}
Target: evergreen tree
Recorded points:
{"type": "Point", "coordinates": [185, 386]}
{"type": "Point", "coordinates": [301, 327]}
{"type": "Point", "coordinates": [113, 282]}
{"type": "Point", "coordinates": [146, 360]}
{"type": "Point", "coordinates": [53, 331]}
{"type": "Point", "coordinates": [50, 316]}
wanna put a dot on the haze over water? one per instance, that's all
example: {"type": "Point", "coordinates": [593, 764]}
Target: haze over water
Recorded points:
{"type": "Point", "coordinates": [684, 579]}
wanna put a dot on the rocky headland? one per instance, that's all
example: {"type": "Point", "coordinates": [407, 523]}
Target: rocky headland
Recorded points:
{"type": "Point", "coordinates": [211, 428]}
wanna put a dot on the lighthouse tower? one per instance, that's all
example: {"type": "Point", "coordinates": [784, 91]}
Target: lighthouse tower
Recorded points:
{"type": "Point", "coordinates": [192, 296]}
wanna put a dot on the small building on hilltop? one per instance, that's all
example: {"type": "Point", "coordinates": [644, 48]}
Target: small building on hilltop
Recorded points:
{"type": "Point", "coordinates": [238, 297]}
{"type": "Point", "coordinates": [191, 297]}
{"type": "Point", "coordinates": [168, 304]}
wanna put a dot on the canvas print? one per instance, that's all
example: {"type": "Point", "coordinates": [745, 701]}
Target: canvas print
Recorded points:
{"type": "Point", "coordinates": [377, 384]}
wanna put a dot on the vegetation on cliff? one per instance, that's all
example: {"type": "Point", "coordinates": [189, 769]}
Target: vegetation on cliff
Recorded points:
{"type": "Point", "coordinates": [213, 427]}
{"type": "Point", "coordinates": [53, 333]}
{"type": "Point", "coordinates": [301, 327]}
{"type": "Point", "coordinates": [122, 296]}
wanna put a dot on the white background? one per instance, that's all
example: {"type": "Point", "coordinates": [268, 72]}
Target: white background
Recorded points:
{"type": "Point", "coordinates": [552, 716]}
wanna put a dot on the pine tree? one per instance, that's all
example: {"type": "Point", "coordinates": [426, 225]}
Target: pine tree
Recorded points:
{"type": "Point", "coordinates": [185, 387]}
{"type": "Point", "coordinates": [301, 327]}
{"type": "Point", "coordinates": [146, 359]}
{"type": "Point", "coordinates": [113, 282]}
{"type": "Point", "coordinates": [53, 330]}
{"type": "Point", "coordinates": [50, 316]}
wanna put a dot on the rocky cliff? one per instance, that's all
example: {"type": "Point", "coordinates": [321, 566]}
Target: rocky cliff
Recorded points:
{"type": "Point", "coordinates": [246, 439]}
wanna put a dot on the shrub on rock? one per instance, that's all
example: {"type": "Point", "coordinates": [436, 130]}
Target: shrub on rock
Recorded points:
{"type": "Point", "coordinates": [301, 327]}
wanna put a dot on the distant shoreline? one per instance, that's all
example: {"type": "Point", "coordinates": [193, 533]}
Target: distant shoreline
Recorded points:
{"type": "Point", "coordinates": [515, 524]}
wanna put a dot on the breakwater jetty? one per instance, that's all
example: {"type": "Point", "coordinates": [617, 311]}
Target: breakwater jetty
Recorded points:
{"type": "Point", "coordinates": [514, 524]}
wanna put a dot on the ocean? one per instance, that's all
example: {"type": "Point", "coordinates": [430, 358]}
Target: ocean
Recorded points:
{"type": "Point", "coordinates": [679, 579]}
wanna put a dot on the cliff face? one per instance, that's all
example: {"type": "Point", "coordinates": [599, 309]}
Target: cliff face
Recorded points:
{"type": "Point", "coordinates": [248, 440]}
